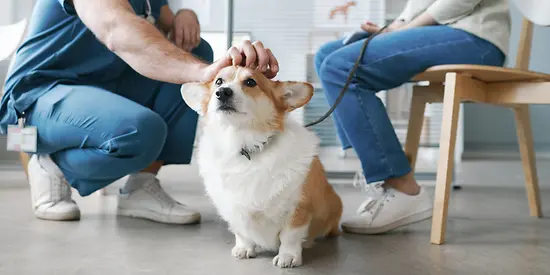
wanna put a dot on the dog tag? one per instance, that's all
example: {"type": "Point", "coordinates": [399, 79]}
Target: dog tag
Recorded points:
{"type": "Point", "coordinates": [22, 138]}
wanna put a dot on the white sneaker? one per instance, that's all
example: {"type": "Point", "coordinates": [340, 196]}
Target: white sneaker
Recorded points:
{"type": "Point", "coordinates": [50, 192]}
{"type": "Point", "coordinates": [148, 200]}
{"type": "Point", "coordinates": [388, 209]}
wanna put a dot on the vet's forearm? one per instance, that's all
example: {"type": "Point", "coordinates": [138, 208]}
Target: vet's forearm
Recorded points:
{"type": "Point", "coordinates": [147, 51]}
{"type": "Point", "coordinates": [138, 42]}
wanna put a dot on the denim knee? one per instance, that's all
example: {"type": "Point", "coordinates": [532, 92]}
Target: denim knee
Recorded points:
{"type": "Point", "coordinates": [325, 50]}
{"type": "Point", "coordinates": [319, 58]}
{"type": "Point", "coordinates": [334, 71]}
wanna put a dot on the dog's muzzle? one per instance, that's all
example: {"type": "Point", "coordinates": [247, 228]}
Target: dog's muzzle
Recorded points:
{"type": "Point", "coordinates": [225, 96]}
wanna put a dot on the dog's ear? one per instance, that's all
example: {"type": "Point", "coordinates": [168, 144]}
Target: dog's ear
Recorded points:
{"type": "Point", "coordinates": [296, 94]}
{"type": "Point", "coordinates": [196, 95]}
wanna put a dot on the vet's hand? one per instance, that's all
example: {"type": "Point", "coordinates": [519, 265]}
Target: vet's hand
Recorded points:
{"type": "Point", "coordinates": [251, 55]}
{"type": "Point", "coordinates": [186, 30]}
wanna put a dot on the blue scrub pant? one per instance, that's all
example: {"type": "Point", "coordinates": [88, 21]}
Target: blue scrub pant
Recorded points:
{"type": "Point", "coordinates": [97, 134]}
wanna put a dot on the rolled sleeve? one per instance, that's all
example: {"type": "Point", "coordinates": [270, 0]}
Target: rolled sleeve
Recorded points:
{"type": "Point", "coordinates": [448, 11]}
{"type": "Point", "coordinates": [67, 6]}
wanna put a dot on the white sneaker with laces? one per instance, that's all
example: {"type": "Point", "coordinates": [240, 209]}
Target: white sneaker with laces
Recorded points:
{"type": "Point", "coordinates": [143, 197]}
{"type": "Point", "coordinates": [387, 209]}
{"type": "Point", "coordinates": [50, 192]}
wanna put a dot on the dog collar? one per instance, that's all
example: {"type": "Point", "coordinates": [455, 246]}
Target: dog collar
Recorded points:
{"type": "Point", "coordinates": [257, 148]}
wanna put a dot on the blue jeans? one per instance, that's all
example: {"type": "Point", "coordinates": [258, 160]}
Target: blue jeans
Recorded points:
{"type": "Point", "coordinates": [391, 59]}
{"type": "Point", "coordinates": [97, 134]}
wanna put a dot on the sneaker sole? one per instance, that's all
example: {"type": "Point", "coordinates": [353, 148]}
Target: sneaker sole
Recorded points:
{"type": "Point", "coordinates": [418, 217]}
{"type": "Point", "coordinates": [69, 216]}
{"type": "Point", "coordinates": [153, 216]}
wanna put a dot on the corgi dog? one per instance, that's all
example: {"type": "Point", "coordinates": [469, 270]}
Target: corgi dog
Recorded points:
{"type": "Point", "coordinates": [260, 168]}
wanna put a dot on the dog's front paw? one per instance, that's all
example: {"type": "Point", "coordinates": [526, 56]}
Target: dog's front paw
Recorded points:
{"type": "Point", "coordinates": [286, 260]}
{"type": "Point", "coordinates": [308, 244]}
{"type": "Point", "coordinates": [240, 252]}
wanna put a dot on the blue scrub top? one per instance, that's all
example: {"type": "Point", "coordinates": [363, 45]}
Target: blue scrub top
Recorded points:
{"type": "Point", "coordinates": [59, 48]}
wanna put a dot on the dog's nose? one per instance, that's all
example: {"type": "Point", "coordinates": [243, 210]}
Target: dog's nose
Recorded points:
{"type": "Point", "coordinates": [224, 94]}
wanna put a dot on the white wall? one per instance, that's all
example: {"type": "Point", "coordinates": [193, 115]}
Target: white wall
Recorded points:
{"type": "Point", "coordinates": [282, 25]}
{"type": "Point", "coordinates": [6, 12]}
{"type": "Point", "coordinates": [14, 10]}
{"type": "Point", "coordinates": [11, 11]}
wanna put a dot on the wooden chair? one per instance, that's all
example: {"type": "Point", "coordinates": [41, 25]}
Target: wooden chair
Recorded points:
{"type": "Point", "coordinates": [12, 36]}
{"type": "Point", "coordinates": [515, 88]}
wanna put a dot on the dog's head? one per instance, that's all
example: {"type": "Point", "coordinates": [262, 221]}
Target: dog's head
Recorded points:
{"type": "Point", "coordinates": [245, 98]}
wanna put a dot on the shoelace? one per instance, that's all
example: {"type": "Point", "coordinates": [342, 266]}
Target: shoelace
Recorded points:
{"type": "Point", "coordinates": [156, 190]}
{"type": "Point", "coordinates": [60, 190]}
{"type": "Point", "coordinates": [375, 193]}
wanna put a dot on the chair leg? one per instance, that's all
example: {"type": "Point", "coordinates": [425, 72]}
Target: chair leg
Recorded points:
{"type": "Point", "coordinates": [414, 130]}
{"type": "Point", "coordinates": [525, 139]}
{"type": "Point", "coordinates": [24, 158]}
{"type": "Point", "coordinates": [451, 107]}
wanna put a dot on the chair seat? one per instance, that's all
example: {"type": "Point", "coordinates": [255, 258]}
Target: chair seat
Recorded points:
{"type": "Point", "coordinates": [488, 74]}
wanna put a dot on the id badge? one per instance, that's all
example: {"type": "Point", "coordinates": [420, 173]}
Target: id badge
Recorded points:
{"type": "Point", "coordinates": [22, 138]}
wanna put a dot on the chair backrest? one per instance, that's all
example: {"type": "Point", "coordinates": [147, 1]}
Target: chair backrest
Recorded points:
{"type": "Point", "coordinates": [525, 42]}
{"type": "Point", "coordinates": [534, 12]}
{"type": "Point", "coordinates": [11, 37]}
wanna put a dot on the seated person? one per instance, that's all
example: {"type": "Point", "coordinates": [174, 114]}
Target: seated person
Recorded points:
{"type": "Point", "coordinates": [427, 33]}
{"type": "Point", "coordinates": [101, 83]}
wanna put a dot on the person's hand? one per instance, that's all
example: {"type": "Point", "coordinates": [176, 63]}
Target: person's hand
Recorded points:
{"type": "Point", "coordinates": [372, 28]}
{"type": "Point", "coordinates": [186, 30]}
{"type": "Point", "coordinates": [251, 55]}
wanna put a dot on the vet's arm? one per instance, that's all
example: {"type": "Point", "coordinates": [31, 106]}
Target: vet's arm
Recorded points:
{"type": "Point", "coordinates": [138, 42]}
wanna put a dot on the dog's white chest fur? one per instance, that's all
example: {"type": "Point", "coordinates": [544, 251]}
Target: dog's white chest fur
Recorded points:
{"type": "Point", "coordinates": [257, 197]}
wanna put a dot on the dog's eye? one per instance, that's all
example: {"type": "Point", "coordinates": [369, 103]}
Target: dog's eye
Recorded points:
{"type": "Point", "coordinates": [219, 82]}
{"type": "Point", "coordinates": [250, 82]}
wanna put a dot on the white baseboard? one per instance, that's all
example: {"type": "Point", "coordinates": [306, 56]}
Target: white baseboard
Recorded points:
{"type": "Point", "coordinates": [501, 155]}
{"type": "Point", "coordinates": [10, 164]}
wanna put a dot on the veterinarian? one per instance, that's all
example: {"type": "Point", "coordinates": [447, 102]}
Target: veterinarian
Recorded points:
{"type": "Point", "coordinates": [427, 33]}
{"type": "Point", "coordinates": [101, 83]}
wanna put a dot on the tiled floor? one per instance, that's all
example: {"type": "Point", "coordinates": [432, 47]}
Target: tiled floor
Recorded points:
{"type": "Point", "coordinates": [489, 232]}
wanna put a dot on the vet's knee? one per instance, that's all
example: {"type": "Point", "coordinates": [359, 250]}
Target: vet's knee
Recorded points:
{"type": "Point", "coordinates": [139, 138]}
